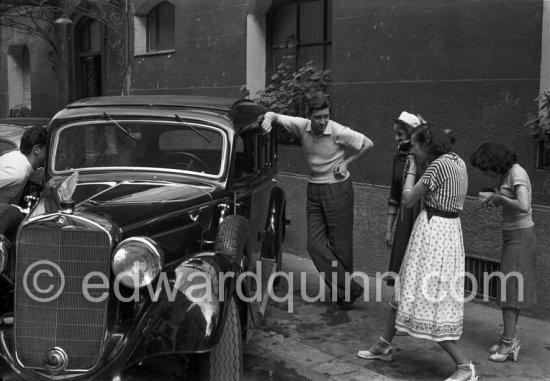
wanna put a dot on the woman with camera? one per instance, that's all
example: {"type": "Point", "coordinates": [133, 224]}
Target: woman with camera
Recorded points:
{"type": "Point", "coordinates": [403, 218]}
{"type": "Point", "coordinates": [519, 249]}
{"type": "Point", "coordinates": [428, 301]}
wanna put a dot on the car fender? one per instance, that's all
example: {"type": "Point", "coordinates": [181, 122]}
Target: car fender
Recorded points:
{"type": "Point", "coordinates": [189, 320]}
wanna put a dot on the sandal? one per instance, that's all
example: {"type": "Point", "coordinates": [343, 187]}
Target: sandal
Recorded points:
{"type": "Point", "coordinates": [386, 355]}
{"type": "Point", "coordinates": [512, 352]}
{"type": "Point", "coordinates": [468, 367]}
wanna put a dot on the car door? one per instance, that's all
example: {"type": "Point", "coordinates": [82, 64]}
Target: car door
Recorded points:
{"type": "Point", "coordinates": [253, 181]}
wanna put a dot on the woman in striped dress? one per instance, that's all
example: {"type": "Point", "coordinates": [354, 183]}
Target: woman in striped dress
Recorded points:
{"type": "Point", "coordinates": [428, 301]}
{"type": "Point", "coordinates": [399, 217]}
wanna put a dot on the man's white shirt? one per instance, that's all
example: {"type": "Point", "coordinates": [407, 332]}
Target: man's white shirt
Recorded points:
{"type": "Point", "coordinates": [15, 170]}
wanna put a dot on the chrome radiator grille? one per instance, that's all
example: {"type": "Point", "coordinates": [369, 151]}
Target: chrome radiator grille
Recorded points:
{"type": "Point", "coordinates": [50, 259]}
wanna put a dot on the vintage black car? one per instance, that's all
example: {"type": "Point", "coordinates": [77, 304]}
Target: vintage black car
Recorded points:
{"type": "Point", "coordinates": [155, 212]}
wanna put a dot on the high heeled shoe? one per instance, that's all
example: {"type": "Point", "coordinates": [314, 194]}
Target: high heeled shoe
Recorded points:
{"type": "Point", "coordinates": [386, 355]}
{"type": "Point", "coordinates": [513, 352]}
{"type": "Point", "coordinates": [470, 367]}
{"type": "Point", "coordinates": [494, 348]}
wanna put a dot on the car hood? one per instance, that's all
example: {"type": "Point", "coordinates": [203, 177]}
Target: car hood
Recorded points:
{"type": "Point", "coordinates": [135, 203]}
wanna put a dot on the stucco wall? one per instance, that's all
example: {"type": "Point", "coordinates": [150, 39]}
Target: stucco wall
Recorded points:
{"type": "Point", "coordinates": [481, 230]}
{"type": "Point", "coordinates": [210, 52]}
{"type": "Point", "coordinates": [44, 96]}
{"type": "Point", "coordinates": [471, 66]}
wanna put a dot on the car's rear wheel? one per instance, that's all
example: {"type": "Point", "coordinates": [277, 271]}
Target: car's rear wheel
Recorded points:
{"type": "Point", "coordinates": [225, 361]}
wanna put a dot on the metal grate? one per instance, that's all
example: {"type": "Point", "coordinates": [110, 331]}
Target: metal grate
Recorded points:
{"type": "Point", "coordinates": [481, 268]}
{"type": "Point", "coordinates": [69, 321]}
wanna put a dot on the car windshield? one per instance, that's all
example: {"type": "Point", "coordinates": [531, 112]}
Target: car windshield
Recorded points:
{"type": "Point", "coordinates": [170, 146]}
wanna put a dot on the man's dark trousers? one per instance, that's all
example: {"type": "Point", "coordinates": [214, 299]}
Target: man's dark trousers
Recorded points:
{"type": "Point", "coordinates": [10, 218]}
{"type": "Point", "coordinates": [330, 233]}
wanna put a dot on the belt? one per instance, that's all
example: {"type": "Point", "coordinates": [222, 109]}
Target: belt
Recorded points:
{"type": "Point", "coordinates": [440, 213]}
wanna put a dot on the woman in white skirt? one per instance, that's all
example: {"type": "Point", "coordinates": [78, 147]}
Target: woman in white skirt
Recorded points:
{"type": "Point", "coordinates": [428, 298]}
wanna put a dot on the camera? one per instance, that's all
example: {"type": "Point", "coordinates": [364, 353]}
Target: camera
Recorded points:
{"type": "Point", "coordinates": [404, 146]}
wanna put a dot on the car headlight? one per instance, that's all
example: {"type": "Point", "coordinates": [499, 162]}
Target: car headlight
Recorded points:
{"type": "Point", "coordinates": [137, 261]}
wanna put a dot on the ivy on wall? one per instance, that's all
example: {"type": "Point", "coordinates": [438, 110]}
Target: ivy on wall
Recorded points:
{"type": "Point", "coordinates": [539, 123]}
{"type": "Point", "coordinates": [288, 91]}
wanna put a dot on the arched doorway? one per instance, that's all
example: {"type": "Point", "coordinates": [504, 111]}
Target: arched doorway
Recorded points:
{"type": "Point", "coordinates": [89, 59]}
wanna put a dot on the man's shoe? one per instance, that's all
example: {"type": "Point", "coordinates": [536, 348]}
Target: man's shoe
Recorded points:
{"type": "Point", "coordinates": [348, 305]}
{"type": "Point", "coordinates": [345, 306]}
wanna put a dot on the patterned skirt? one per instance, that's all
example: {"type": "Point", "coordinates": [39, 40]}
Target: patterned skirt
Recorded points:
{"type": "Point", "coordinates": [430, 295]}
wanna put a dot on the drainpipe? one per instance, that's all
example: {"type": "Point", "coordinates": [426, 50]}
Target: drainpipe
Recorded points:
{"type": "Point", "coordinates": [545, 49]}
{"type": "Point", "coordinates": [128, 73]}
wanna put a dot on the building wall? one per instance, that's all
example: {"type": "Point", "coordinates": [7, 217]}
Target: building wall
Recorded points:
{"type": "Point", "coordinates": [209, 57]}
{"type": "Point", "coordinates": [43, 99]}
{"type": "Point", "coordinates": [471, 66]}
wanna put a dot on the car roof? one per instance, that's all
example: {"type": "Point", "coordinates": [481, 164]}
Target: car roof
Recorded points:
{"type": "Point", "coordinates": [178, 101]}
{"type": "Point", "coordinates": [242, 112]}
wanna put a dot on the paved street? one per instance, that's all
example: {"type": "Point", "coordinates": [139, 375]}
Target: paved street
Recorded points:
{"type": "Point", "coordinates": [319, 342]}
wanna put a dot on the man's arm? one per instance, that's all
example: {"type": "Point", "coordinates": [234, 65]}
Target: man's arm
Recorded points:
{"type": "Point", "coordinates": [293, 124]}
{"type": "Point", "coordinates": [269, 118]}
{"type": "Point", "coordinates": [343, 167]}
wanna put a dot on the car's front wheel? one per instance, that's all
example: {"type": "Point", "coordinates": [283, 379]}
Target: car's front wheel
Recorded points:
{"type": "Point", "coordinates": [225, 361]}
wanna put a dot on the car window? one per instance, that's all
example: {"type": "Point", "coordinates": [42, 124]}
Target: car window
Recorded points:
{"type": "Point", "coordinates": [169, 146]}
{"type": "Point", "coordinates": [254, 152]}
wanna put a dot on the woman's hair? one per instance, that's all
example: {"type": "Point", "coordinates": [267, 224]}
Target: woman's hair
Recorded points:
{"type": "Point", "coordinates": [492, 156]}
{"type": "Point", "coordinates": [437, 142]}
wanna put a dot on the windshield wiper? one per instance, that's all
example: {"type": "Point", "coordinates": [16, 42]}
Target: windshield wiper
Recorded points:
{"type": "Point", "coordinates": [107, 116]}
{"type": "Point", "coordinates": [193, 128]}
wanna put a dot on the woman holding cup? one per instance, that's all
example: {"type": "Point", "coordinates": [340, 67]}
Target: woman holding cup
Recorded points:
{"type": "Point", "coordinates": [519, 249]}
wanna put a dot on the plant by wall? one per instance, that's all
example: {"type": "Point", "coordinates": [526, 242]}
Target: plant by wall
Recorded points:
{"type": "Point", "coordinates": [288, 91]}
{"type": "Point", "coordinates": [20, 111]}
{"type": "Point", "coordinates": [539, 124]}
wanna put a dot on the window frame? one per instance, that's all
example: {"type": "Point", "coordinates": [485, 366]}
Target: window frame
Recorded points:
{"type": "Point", "coordinates": [155, 12]}
{"type": "Point", "coordinates": [326, 43]}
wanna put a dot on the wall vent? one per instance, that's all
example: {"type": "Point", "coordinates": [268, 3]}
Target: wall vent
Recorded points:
{"type": "Point", "coordinates": [480, 269]}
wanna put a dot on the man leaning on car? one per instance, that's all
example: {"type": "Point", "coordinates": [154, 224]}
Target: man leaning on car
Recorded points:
{"type": "Point", "coordinates": [330, 197]}
{"type": "Point", "coordinates": [16, 167]}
